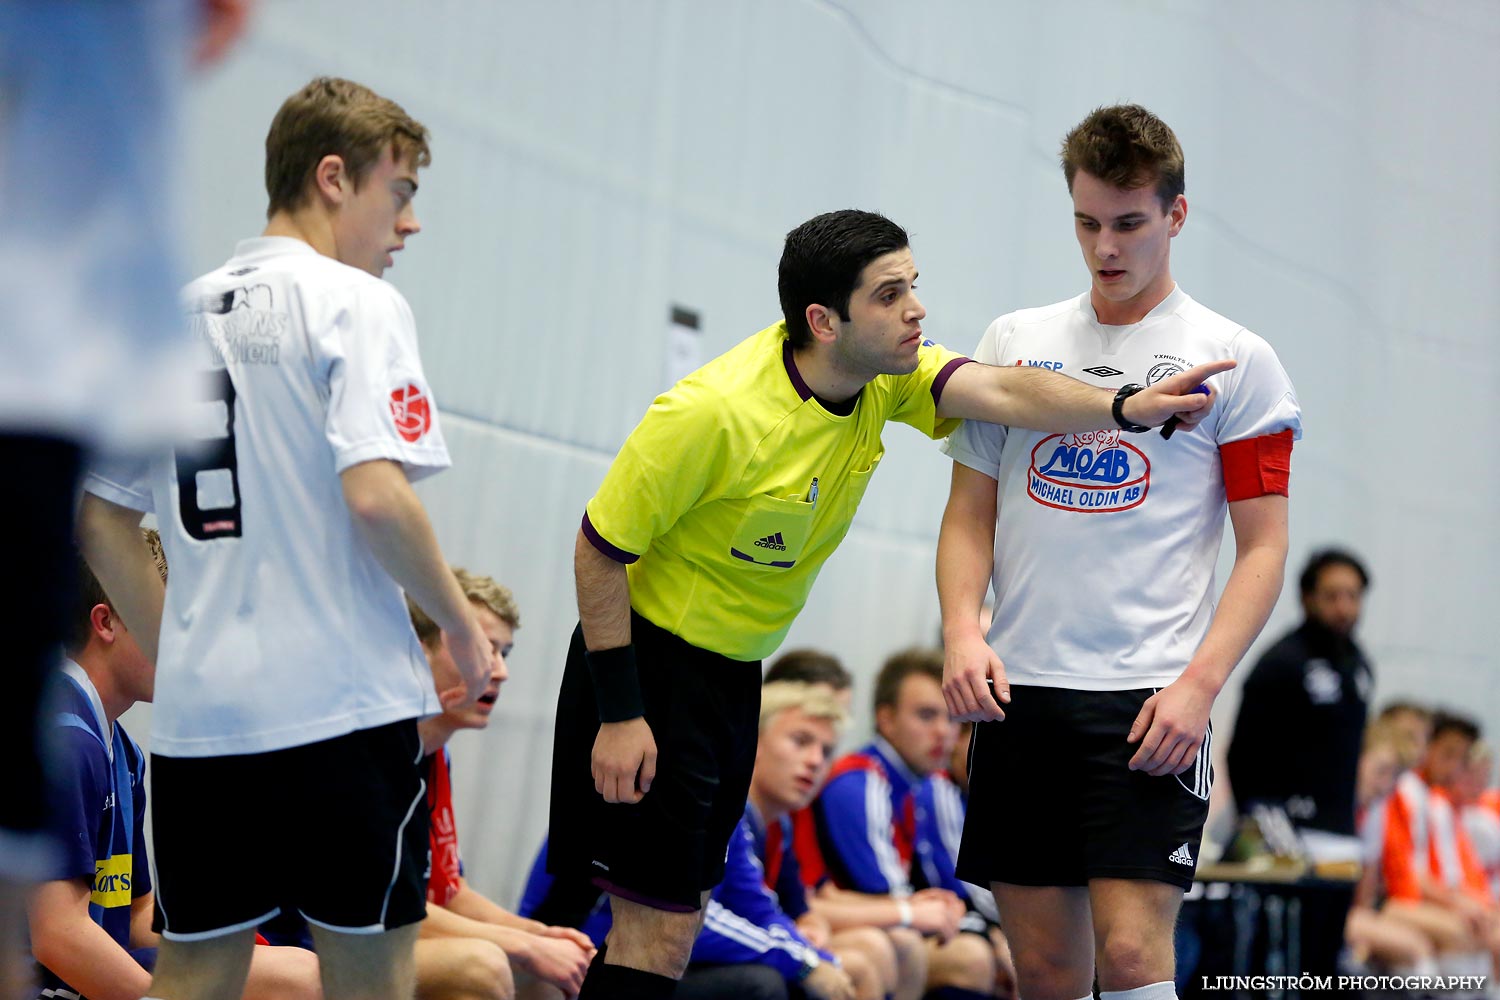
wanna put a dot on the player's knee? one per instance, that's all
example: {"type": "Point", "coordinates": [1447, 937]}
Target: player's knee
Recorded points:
{"type": "Point", "coordinates": [910, 948]}
{"type": "Point", "coordinates": [486, 972]}
{"type": "Point", "coordinates": [1049, 969]}
{"type": "Point", "coordinates": [1129, 957]}
{"type": "Point", "coordinates": [877, 948]}
{"type": "Point", "coordinates": [664, 952]}
{"type": "Point", "coordinates": [861, 973]}
{"type": "Point", "coordinates": [967, 962]}
{"type": "Point", "coordinates": [496, 979]}
{"type": "Point", "coordinates": [291, 975]}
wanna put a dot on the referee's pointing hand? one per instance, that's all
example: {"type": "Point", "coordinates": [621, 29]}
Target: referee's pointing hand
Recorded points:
{"type": "Point", "coordinates": [624, 760]}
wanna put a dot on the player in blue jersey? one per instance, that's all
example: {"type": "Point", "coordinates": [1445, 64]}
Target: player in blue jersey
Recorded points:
{"type": "Point", "coordinates": [868, 826]}
{"type": "Point", "coordinates": [760, 912]}
{"type": "Point", "coordinates": [91, 919]}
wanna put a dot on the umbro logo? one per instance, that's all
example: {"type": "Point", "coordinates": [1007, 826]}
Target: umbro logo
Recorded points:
{"type": "Point", "coordinates": [1104, 371]}
{"type": "Point", "coordinates": [772, 542]}
{"type": "Point", "coordinates": [1182, 856]}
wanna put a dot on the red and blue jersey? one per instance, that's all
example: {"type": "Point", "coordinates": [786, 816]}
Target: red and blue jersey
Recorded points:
{"type": "Point", "coordinates": [445, 869]}
{"type": "Point", "coordinates": [939, 814]}
{"type": "Point", "coordinates": [751, 916]}
{"type": "Point", "coordinates": [866, 823]}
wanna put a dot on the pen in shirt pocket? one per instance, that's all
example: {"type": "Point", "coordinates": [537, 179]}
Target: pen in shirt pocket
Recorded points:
{"type": "Point", "coordinates": [812, 493]}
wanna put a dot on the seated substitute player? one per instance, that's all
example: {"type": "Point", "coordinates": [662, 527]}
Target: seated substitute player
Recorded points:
{"type": "Point", "coordinates": [702, 544]}
{"type": "Point", "coordinates": [759, 913]}
{"type": "Point", "coordinates": [579, 903]}
{"type": "Point", "coordinates": [91, 922]}
{"type": "Point", "coordinates": [868, 827]}
{"type": "Point", "coordinates": [1374, 937]}
{"type": "Point", "coordinates": [812, 666]}
{"type": "Point", "coordinates": [941, 801]}
{"type": "Point", "coordinates": [471, 946]}
{"type": "Point", "coordinates": [1102, 548]}
{"type": "Point", "coordinates": [289, 680]}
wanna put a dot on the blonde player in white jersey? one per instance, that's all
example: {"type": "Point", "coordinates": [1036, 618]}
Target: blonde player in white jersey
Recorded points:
{"type": "Point", "coordinates": [1106, 650]}
{"type": "Point", "coordinates": [289, 679]}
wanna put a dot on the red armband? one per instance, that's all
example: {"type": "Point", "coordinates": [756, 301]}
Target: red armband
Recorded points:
{"type": "Point", "coordinates": [1258, 466]}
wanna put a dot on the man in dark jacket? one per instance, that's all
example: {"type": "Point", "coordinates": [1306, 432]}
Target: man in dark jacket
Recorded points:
{"type": "Point", "coordinates": [1296, 741]}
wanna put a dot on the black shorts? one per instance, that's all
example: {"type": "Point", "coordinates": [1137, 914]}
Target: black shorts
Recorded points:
{"type": "Point", "coordinates": [37, 617]}
{"type": "Point", "coordinates": [334, 830]}
{"type": "Point", "coordinates": [1052, 800]}
{"type": "Point", "coordinates": [704, 713]}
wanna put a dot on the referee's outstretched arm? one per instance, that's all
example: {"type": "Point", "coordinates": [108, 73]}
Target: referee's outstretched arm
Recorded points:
{"type": "Point", "coordinates": [1043, 400]}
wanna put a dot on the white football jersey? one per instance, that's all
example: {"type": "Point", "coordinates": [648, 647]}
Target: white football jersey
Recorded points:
{"type": "Point", "coordinates": [1106, 541]}
{"type": "Point", "coordinates": [280, 627]}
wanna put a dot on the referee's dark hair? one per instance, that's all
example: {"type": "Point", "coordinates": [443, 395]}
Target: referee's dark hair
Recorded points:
{"type": "Point", "coordinates": [810, 666]}
{"type": "Point", "coordinates": [823, 259]}
{"type": "Point", "coordinates": [1319, 561]}
{"type": "Point", "coordinates": [928, 662]}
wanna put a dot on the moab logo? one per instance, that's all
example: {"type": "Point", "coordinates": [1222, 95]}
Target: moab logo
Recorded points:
{"type": "Point", "coordinates": [1091, 472]}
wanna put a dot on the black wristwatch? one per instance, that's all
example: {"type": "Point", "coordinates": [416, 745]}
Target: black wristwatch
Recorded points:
{"type": "Point", "coordinates": [1118, 409]}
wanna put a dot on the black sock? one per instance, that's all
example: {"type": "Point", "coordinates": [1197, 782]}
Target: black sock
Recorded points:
{"type": "Point", "coordinates": [617, 982]}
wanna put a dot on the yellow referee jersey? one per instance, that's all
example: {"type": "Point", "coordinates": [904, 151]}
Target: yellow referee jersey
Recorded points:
{"type": "Point", "coordinates": [738, 484]}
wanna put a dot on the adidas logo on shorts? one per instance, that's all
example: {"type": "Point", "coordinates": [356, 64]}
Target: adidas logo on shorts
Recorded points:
{"type": "Point", "coordinates": [1182, 856]}
{"type": "Point", "coordinates": [773, 542]}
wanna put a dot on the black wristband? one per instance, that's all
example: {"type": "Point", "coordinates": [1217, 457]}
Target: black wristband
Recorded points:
{"type": "Point", "coordinates": [1118, 408]}
{"type": "Point", "coordinates": [617, 686]}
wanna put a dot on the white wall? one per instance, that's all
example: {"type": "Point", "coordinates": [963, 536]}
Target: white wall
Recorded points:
{"type": "Point", "coordinates": [596, 161]}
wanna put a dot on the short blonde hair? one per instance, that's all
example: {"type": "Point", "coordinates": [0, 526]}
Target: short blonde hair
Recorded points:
{"type": "Point", "coordinates": [481, 590]}
{"type": "Point", "coordinates": [814, 700]}
{"type": "Point", "coordinates": [1385, 733]}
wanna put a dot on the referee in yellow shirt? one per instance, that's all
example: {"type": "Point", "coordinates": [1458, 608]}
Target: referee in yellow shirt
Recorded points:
{"type": "Point", "coordinates": [703, 542]}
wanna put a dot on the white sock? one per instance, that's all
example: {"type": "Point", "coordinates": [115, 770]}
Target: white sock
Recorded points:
{"type": "Point", "coordinates": [1166, 990]}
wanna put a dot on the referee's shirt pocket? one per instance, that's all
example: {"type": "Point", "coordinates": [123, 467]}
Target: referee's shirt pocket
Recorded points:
{"type": "Point", "coordinates": [772, 532]}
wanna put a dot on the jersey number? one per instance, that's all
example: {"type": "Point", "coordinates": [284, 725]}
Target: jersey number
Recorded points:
{"type": "Point", "coordinates": [208, 476]}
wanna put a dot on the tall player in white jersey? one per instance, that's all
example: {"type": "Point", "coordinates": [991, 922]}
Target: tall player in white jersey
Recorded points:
{"type": "Point", "coordinates": [1106, 650]}
{"type": "Point", "coordinates": [289, 680]}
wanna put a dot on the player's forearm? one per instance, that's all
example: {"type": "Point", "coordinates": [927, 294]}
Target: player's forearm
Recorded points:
{"type": "Point", "coordinates": [88, 959]}
{"type": "Point", "coordinates": [442, 922]}
{"type": "Point", "coordinates": [603, 596]}
{"type": "Point", "coordinates": [844, 909]}
{"type": "Point", "coordinates": [965, 559]}
{"type": "Point", "coordinates": [141, 934]}
{"type": "Point", "coordinates": [392, 522]}
{"type": "Point", "coordinates": [1250, 594]}
{"type": "Point", "coordinates": [470, 903]}
{"type": "Point", "coordinates": [110, 537]}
